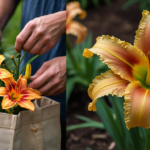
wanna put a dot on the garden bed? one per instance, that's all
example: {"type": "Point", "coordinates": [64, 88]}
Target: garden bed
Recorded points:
{"type": "Point", "coordinates": [107, 20]}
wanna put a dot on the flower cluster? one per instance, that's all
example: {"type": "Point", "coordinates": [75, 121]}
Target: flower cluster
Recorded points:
{"type": "Point", "coordinates": [16, 93]}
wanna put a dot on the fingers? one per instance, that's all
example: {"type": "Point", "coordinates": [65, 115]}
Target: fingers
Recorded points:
{"type": "Point", "coordinates": [44, 67]}
{"type": "Point", "coordinates": [23, 36]}
{"type": "Point", "coordinates": [36, 49]}
{"type": "Point", "coordinates": [53, 88]}
{"type": "Point", "coordinates": [31, 41]}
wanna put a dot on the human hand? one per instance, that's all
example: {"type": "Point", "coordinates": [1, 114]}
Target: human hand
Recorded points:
{"type": "Point", "coordinates": [50, 79]}
{"type": "Point", "coordinates": [41, 34]}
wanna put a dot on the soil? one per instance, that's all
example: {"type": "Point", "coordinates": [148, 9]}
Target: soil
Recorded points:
{"type": "Point", "coordinates": [107, 20]}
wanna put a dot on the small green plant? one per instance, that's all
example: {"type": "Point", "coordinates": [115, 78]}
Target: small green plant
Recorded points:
{"type": "Point", "coordinates": [79, 69]}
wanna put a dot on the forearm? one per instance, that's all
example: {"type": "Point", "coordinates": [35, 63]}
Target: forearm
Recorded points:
{"type": "Point", "coordinates": [7, 7]}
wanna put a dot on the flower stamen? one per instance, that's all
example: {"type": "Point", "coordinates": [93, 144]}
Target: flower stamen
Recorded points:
{"type": "Point", "coordinates": [148, 73]}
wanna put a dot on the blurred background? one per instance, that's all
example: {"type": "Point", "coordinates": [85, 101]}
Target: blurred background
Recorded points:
{"type": "Point", "coordinates": [104, 129]}
{"type": "Point", "coordinates": [9, 36]}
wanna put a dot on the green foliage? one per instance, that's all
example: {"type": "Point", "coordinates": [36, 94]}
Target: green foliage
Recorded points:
{"type": "Point", "coordinates": [113, 120]}
{"type": "Point", "coordinates": [88, 123]}
{"type": "Point", "coordinates": [9, 36]}
{"type": "Point", "coordinates": [143, 4]}
{"type": "Point", "coordinates": [86, 3]}
{"type": "Point", "coordinates": [80, 70]}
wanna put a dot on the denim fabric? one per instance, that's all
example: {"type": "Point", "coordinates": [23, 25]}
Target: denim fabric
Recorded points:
{"type": "Point", "coordinates": [36, 8]}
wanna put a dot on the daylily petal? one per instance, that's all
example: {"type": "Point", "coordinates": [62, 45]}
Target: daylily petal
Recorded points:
{"type": "Point", "coordinates": [4, 74]}
{"type": "Point", "coordinates": [10, 83]}
{"type": "Point", "coordinates": [27, 104]}
{"type": "Point", "coordinates": [7, 103]}
{"type": "Point", "coordinates": [137, 106]}
{"type": "Point", "coordinates": [22, 82]}
{"type": "Point", "coordinates": [123, 58]}
{"type": "Point", "coordinates": [1, 59]}
{"type": "Point", "coordinates": [142, 34]}
{"type": "Point", "coordinates": [78, 30]}
{"type": "Point", "coordinates": [107, 83]}
{"type": "Point", "coordinates": [73, 9]}
{"type": "Point", "coordinates": [3, 91]}
{"type": "Point", "coordinates": [72, 5]}
{"type": "Point", "coordinates": [30, 94]}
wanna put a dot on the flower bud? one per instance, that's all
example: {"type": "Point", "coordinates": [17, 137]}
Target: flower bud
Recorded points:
{"type": "Point", "coordinates": [12, 57]}
{"type": "Point", "coordinates": [28, 71]}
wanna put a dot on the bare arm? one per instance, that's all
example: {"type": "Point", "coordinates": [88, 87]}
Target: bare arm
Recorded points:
{"type": "Point", "coordinates": [7, 7]}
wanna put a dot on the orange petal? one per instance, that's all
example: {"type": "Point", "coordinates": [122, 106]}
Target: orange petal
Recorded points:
{"type": "Point", "coordinates": [22, 82]}
{"type": "Point", "coordinates": [10, 83]}
{"type": "Point", "coordinates": [1, 59]}
{"type": "Point", "coordinates": [142, 37]}
{"type": "Point", "coordinates": [123, 58]}
{"type": "Point", "coordinates": [137, 106]}
{"type": "Point", "coordinates": [30, 94]}
{"type": "Point", "coordinates": [3, 91]}
{"type": "Point", "coordinates": [72, 5]}
{"type": "Point", "coordinates": [4, 74]}
{"type": "Point", "coordinates": [107, 83]}
{"type": "Point", "coordinates": [78, 30]}
{"type": "Point", "coordinates": [73, 9]}
{"type": "Point", "coordinates": [7, 103]}
{"type": "Point", "coordinates": [27, 104]}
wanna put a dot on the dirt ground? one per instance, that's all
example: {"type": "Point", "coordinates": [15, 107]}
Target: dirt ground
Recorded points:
{"type": "Point", "coordinates": [107, 20]}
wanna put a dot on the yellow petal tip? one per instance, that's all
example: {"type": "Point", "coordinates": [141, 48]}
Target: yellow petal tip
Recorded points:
{"type": "Point", "coordinates": [92, 107]}
{"type": "Point", "coordinates": [87, 53]}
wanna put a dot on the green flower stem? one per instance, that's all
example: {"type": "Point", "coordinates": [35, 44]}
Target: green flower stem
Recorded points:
{"type": "Point", "coordinates": [69, 50]}
{"type": "Point", "coordinates": [147, 145]}
{"type": "Point", "coordinates": [28, 63]}
{"type": "Point", "coordinates": [22, 56]}
{"type": "Point", "coordinates": [17, 67]}
{"type": "Point", "coordinates": [14, 62]}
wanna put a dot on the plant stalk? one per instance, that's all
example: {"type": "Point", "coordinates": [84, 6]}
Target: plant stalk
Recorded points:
{"type": "Point", "coordinates": [18, 63]}
{"type": "Point", "coordinates": [147, 145]}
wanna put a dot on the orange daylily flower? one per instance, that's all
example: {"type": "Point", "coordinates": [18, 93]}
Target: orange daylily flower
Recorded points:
{"type": "Point", "coordinates": [129, 74]}
{"type": "Point", "coordinates": [74, 27]}
{"type": "Point", "coordinates": [17, 93]}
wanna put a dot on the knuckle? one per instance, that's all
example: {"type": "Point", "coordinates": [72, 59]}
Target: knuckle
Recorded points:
{"type": "Point", "coordinates": [46, 39]}
{"type": "Point", "coordinates": [25, 47]}
{"type": "Point", "coordinates": [45, 64]}
{"type": "Point", "coordinates": [32, 24]}
{"type": "Point", "coordinates": [40, 32]}
{"type": "Point", "coordinates": [19, 39]}
{"type": "Point", "coordinates": [55, 71]}
{"type": "Point", "coordinates": [57, 81]}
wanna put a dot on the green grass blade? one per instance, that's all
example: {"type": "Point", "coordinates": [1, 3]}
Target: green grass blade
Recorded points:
{"type": "Point", "coordinates": [86, 125]}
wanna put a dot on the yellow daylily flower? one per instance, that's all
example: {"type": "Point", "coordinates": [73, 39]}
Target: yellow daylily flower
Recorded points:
{"type": "Point", "coordinates": [74, 27]}
{"type": "Point", "coordinates": [1, 59]}
{"type": "Point", "coordinates": [129, 74]}
{"type": "Point", "coordinates": [17, 93]}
